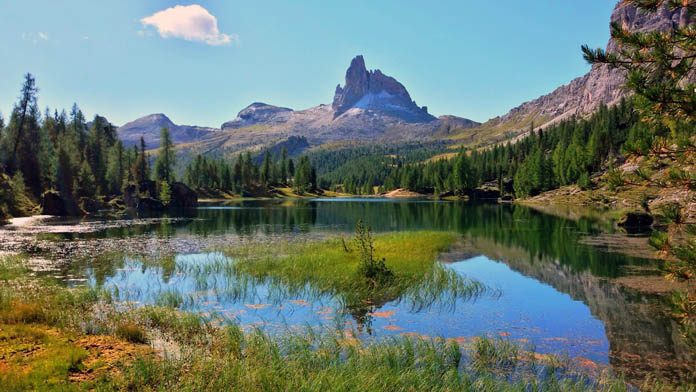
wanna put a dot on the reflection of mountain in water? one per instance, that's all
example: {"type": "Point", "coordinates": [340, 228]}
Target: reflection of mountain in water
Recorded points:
{"type": "Point", "coordinates": [642, 338]}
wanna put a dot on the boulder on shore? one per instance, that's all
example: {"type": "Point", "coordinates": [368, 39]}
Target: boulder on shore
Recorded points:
{"type": "Point", "coordinates": [182, 196]}
{"type": "Point", "coordinates": [484, 193]}
{"type": "Point", "coordinates": [148, 188]}
{"type": "Point", "coordinates": [53, 203]}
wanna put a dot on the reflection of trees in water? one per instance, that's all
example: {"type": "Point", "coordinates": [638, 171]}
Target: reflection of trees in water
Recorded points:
{"type": "Point", "coordinates": [542, 236]}
{"type": "Point", "coordinates": [249, 220]}
{"type": "Point", "coordinates": [643, 339]}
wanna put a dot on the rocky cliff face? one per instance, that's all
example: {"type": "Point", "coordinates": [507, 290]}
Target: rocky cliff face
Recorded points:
{"type": "Point", "coordinates": [601, 85]}
{"type": "Point", "coordinates": [149, 128]}
{"type": "Point", "coordinates": [375, 91]}
{"type": "Point", "coordinates": [369, 106]}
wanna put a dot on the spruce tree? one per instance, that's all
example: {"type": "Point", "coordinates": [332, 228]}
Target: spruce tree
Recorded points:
{"type": "Point", "coordinates": [164, 165]}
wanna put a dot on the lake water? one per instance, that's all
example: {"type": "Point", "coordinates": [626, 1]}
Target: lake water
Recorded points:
{"type": "Point", "coordinates": [546, 288]}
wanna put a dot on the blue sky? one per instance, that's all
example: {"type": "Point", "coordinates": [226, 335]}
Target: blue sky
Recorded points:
{"type": "Point", "coordinates": [475, 59]}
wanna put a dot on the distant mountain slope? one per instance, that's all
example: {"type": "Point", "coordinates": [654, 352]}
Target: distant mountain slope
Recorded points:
{"type": "Point", "coordinates": [583, 95]}
{"type": "Point", "coordinates": [149, 128]}
{"type": "Point", "coordinates": [370, 106]}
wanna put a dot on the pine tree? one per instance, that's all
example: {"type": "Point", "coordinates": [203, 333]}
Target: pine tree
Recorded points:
{"type": "Point", "coordinates": [266, 169]}
{"type": "Point", "coordinates": [24, 140]}
{"type": "Point", "coordinates": [116, 171]}
{"type": "Point", "coordinates": [141, 170]}
{"type": "Point", "coordinates": [659, 67]}
{"type": "Point", "coordinates": [283, 173]}
{"type": "Point", "coordinates": [164, 165]}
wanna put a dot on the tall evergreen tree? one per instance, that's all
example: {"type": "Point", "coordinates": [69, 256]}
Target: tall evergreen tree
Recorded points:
{"type": "Point", "coordinates": [164, 165]}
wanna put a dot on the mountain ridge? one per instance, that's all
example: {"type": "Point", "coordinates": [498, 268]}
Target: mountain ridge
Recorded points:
{"type": "Point", "coordinates": [582, 95]}
{"type": "Point", "coordinates": [372, 106]}
{"type": "Point", "coordinates": [149, 127]}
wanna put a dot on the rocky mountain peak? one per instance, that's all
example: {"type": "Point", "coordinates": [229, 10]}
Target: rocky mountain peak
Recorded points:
{"type": "Point", "coordinates": [259, 112]}
{"type": "Point", "coordinates": [374, 91]}
{"type": "Point", "coordinates": [148, 127]}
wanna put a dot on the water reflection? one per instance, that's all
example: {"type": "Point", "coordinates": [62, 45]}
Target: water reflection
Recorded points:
{"type": "Point", "coordinates": [557, 292]}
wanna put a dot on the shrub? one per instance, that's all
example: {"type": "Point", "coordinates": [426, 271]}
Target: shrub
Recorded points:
{"type": "Point", "coordinates": [614, 179]}
{"type": "Point", "coordinates": [584, 181]}
{"type": "Point", "coordinates": [672, 211]}
{"type": "Point", "coordinates": [374, 269]}
{"type": "Point", "coordinates": [131, 332]}
{"type": "Point", "coordinates": [659, 240]}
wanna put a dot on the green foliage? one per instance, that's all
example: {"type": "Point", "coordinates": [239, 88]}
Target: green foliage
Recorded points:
{"type": "Point", "coordinates": [374, 269]}
{"type": "Point", "coordinates": [683, 309]}
{"type": "Point", "coordinates": [659, 240]}
{"type": "Point", "coordinates": [305, 176]}
{"type": "Point", "coordinates": [584, 181]}
{"type": "Point", "coordinates": [660, 72]}
{"type": "Point", "coordinates": [58, 151]}
{"type": "Point", "coordinates": [659, 66]}
{"type": "Point", "coordinates": [166, 158]}
{"type": "Point", "coordinates": [245, 175]}
{"type": "Point", "coordinates": [131, 332]}
{"type": "Point", "coordinates": [562, 154]}
{"type": "Point", "coordinates": [14, 199]}
{"type": "Point", "coordinates": [614, 179]}
{"type": "Point", "coordinates": [165, 193]}
{"type": "Point", "coordinates": [141, 167]}
{"type": "Point", "coordinates": [672, 211]}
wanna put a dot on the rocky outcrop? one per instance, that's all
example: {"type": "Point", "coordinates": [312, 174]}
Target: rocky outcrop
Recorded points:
{"type": "Point", "coordinates": [448, 123]}
{"type": "Point", "coordinates": [91, 206]}
{"type": "Point", "coordinates": [53, 203]}
{"type": "Point", "coordinates": [484, 194]}
{"type": "Point", "coordinates": [182, 196]}
{"type": "Point", "coordinates": [373, 90]}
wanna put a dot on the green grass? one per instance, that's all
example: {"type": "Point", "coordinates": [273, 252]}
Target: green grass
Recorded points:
{"type": "Point", "coordinates": [333, 267]}
{"type": "Point", "coordinates": [11, 267]}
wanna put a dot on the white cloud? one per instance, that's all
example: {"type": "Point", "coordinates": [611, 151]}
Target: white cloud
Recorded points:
{"type": "Point", "coordinates": [35, 38]}
{"type": "Point", "coordinates": [191, 22]}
